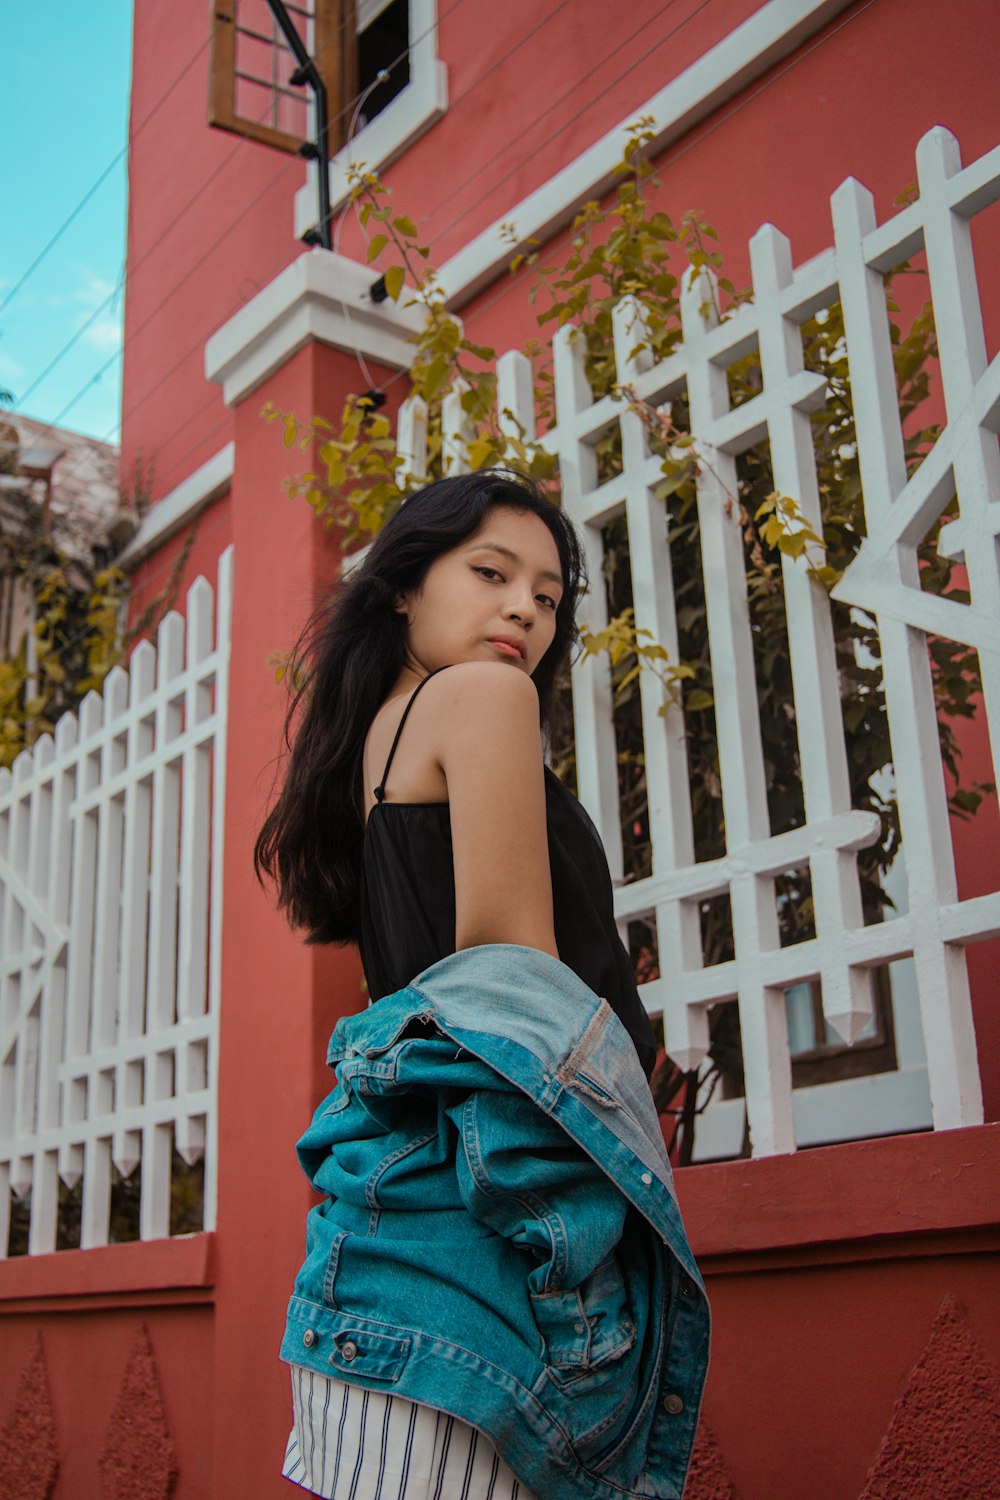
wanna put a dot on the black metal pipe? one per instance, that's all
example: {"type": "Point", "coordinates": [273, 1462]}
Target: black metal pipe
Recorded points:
{"type": "Point", "coordinates": [307, 72]}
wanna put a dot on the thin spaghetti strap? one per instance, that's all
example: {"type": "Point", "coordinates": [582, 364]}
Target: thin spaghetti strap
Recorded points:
{"type": "Point", "coordinates": [380, 789]}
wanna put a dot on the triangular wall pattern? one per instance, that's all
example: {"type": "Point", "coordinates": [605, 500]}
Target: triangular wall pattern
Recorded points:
{"type": "Point", "coordinates": [139, 1461]}
{"type": "Point", "coordinates": [943, 1442]}
{"type": "Point", "coordinates": [707, 1476]}
{"type": "Point", "coordinates": [29, 1451]}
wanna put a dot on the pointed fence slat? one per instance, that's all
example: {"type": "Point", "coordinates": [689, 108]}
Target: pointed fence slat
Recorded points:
{"type": "Point", "coordinates": [848, 991]}
{"type": "Point", "coordinates": [597, 768]}
{"type": "Point", "coordinates": [516, 396]}
{"type": "Point", "coordinates": [456, 430]}
{"type": "Point", "coordinates": [110, 861]}
{"type": "Point", "coordinates": [411, 438]}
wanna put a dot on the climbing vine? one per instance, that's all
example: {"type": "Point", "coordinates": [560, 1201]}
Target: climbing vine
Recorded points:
{"type": "Point", "coordinates": [78, 633]}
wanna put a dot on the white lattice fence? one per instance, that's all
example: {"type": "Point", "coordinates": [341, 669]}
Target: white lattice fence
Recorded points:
{"type": "Point", "coordinates": [883, 580]}
{"type": "Point", "coordinates": [110, 928]}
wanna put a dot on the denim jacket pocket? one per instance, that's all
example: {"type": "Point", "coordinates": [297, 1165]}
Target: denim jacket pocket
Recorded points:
{"type": "Point", "coordinates": [586, 1327]}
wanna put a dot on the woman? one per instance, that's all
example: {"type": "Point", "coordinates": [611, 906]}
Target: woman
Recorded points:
{"type": "Point", "coordinates": [457, 624]}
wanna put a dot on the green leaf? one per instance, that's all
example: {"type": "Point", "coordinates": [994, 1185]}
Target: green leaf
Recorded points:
{"type": "Point", "coordinates": [669, 486]}
{"type": "Point", "coordinates": [405, 226]}
{"type": "Point", "coordinates": [698, 700]}
{"type": "Point", "coordinates": [828, 577]}
{"type": "Point", "coordinates": [394, 278]}
{"type": "Point", "coordinates": [376, 245]}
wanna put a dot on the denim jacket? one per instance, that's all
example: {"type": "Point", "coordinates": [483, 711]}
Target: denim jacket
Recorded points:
{"type": "Point", "coordinates": [500, 1237]}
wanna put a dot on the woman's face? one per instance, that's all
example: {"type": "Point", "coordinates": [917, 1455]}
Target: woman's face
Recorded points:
{"type": "Point", "coordinates": [491, 598]}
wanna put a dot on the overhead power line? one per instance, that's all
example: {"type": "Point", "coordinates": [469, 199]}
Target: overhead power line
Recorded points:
{"type": "Point", "coordinates": [103, 176]}
{"type": "Point", "coordinates": [62, 228]}
{"type": "Point", "coordinates": [99, 181]}
{"type": "Point", "coordinates": [509, 286]}
{"type": "Point", "coordinates": [352, 104]}
{"type": "Point", "coordinates": [565, 124]}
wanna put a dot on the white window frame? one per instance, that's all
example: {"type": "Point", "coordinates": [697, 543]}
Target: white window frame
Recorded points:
{"type": "Point", "coordinates": [413, 111]}
{"type": "Point", "coordinates": [893, 1103]}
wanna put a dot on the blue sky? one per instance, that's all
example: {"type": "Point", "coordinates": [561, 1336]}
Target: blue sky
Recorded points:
{"type": "Point", "coordinates": [63, 119]}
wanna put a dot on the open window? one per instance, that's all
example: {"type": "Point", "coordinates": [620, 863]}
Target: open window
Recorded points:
{"type": "Point", "coordinates": [351, 41]}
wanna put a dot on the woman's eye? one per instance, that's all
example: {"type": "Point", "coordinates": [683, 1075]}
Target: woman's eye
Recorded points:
{"type": "Point", "coordinates": [491, 571]}
{"type": "Point", "coordinates": [546, 599]}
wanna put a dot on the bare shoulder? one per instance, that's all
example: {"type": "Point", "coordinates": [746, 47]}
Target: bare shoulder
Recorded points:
{"type": "Point", "coordinates": [483, 711]}
{"type": "Point", "coordinates": [484, 685]}
{"type": "Point", "coordinates": [488, 742]}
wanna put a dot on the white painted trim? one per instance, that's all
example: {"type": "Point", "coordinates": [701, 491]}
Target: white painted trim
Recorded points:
{"type": "Point", "coordinates": [764, 39]}
{"type": "Point", "coordinates": [368, 11]}
{"type": "Point", "coordinates": [181, 505]}
{"type": "Point", "coordinates": [413, 111]}
{"type": "Point", "coordinates": [319, 296]}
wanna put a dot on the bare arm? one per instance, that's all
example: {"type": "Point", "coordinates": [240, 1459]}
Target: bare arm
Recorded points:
{"type": "Point", "coordinates": [489, 747]}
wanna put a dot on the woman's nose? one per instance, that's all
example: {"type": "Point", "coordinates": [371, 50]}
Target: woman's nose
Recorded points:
{"type": "Point", "coordinates": [520, 607]}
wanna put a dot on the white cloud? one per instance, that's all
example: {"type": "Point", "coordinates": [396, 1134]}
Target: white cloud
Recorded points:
{"type": "Point", "coordinates": [10, 370]}
{"type": "Point", "coordinates": [94, 291]}
{"type": "Point", "coordinates": [105, 333]}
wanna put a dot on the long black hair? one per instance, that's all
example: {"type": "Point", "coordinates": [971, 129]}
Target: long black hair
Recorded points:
{"type": "Point", "coordinates": [345, 662]}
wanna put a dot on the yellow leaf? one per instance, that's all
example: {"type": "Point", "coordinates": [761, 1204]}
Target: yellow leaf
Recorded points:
{"type": "Point", "coordinates": [792, 546]}
{"type": "Point", "coordinates": [394, 281]}
{"type": "Point", "coordinates": [481, 452]}
{"type": "Point", "coordinates": [376, 245]}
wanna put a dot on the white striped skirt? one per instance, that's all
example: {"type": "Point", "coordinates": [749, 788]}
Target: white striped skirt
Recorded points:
{"type": "Point", "coordinates": [348, 1443]}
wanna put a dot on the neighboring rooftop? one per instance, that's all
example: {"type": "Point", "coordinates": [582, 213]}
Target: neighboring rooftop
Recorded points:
{"type": "Point", "coordinates": [84, 476]}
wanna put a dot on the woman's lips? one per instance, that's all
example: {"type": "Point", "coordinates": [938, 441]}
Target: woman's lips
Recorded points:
{"type": "Point", "coordinates": [507, 650]}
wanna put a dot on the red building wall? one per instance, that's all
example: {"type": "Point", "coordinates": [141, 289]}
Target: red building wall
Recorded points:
{"type": "Point", "coordinates": [856, 1333]}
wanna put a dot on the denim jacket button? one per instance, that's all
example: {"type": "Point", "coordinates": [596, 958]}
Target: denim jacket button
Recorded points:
{"type": "Point", "coordinates": [349, 1350]}
{"type": "Point", "coordinates": [688, 1288]}
{"type": "Point", "coordinates": [309, 1338]}
{"type": "Point", "coordinates": [647, 1178]}
{"type": "Point", "coordinates": [673, 1404]}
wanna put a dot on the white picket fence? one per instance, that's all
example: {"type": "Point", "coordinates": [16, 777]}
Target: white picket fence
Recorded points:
{"type": "Point", "coordinates": [110, 930]}
{"type": "Point", "coordinates": [883, 580]}
{"type": "Point", "coordinates": [111, 830]}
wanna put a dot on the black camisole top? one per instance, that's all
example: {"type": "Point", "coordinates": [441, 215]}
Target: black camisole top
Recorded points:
{"type": "Point", "coordinates": [408, 898]}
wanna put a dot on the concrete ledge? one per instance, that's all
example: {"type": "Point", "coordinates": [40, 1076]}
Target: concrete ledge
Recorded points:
{"type": "Point", "coordinates": [319, 296]}
{"type": "Point", "coordinates": [180, 505]}
{"type": "Point", "coordinates": [936, 1184]}
{"type": "Point", "coordinates": [181, 1268]}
